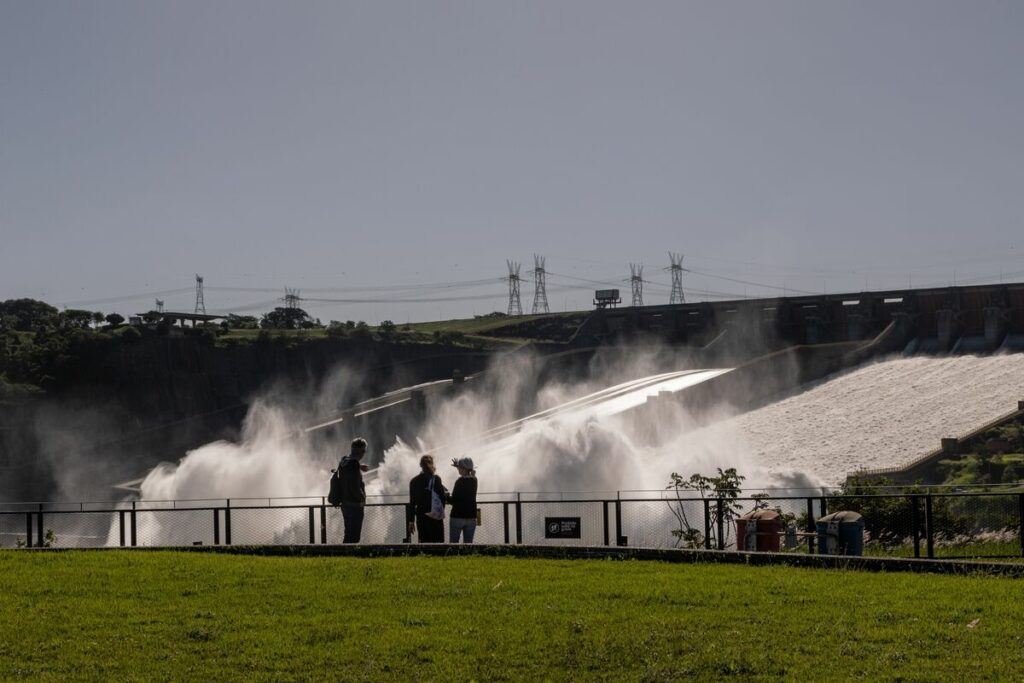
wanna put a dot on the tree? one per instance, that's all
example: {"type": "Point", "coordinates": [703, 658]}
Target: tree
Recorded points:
{"type": "Point", "coordinates": [337, 330]}
{"type": "Point", "coordinates": [386, 329]}
{"type": "Point", "coordinates": [98, 318]}
{"type": "Point", "coordinates": [114, 319]}
{"type": "Point", "coordinates": [242, 322]}
{"type": "Point", "coordinates": [724, 488]}
{"type": "Point", "coordinates": [28, 314]}
{"type": "Point", "coordinates": [361, 331]}
{"type": "Point", "coordinates": [73, 318]}
{"type": "Point", "coordinates": [285, 319]}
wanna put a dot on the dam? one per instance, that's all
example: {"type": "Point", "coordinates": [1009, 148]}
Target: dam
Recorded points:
{"type": "Point", "coordinates": [794, 404]}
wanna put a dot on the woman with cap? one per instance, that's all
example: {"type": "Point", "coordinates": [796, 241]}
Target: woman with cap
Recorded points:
{"type": "Point", "coordinates": [462, 521]}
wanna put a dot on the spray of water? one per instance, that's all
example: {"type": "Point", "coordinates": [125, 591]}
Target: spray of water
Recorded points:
{"type": "Point", "coordinates": [580, 436]}
{"type": "Point", "coordinates": [576, 436]}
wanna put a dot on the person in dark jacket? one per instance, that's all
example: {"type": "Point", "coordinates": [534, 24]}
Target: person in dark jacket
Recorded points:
{"type": "Point", "coordinates": [353, 491]}
{"type": "Point", "coordinates": [418, 513]}
{"type": "Point", "coordinates": [462, 521]}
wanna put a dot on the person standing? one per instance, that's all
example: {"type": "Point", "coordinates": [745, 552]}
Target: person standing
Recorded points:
{"type": "Point", "coordinates": [353, 491]}
{"type": "Point", "coordinates": [463, 499]}
{"type": "Point", "coordinates": [419, 513]}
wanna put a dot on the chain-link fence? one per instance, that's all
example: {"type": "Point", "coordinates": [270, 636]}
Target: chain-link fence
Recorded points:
{"type": "Point", "coordinates": [912, 524]}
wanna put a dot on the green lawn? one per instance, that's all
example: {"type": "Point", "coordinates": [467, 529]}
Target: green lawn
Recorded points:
{"type": "Point", "coordinates": [481, 325]}
{"type": "Point", "coordinates": [195, 616]}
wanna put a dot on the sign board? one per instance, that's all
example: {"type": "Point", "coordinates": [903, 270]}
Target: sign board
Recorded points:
{"type": "Point", "coordinates": [561, 527]}
{"type": "Point", "coordinates": [606, 294]}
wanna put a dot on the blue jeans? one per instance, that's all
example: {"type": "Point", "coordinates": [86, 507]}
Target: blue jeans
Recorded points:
{"type": "Point", "coordinates": [353, 516]}
{"type": "Point", "coordinates": [456, 526]}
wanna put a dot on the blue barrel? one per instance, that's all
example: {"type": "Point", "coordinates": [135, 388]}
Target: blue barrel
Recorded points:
{"type": "Point", "coordinates": [841, 533]}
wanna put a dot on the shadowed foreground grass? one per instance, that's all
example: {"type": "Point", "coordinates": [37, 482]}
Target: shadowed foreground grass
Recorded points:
{"type": "Point", "coordinates": [166, 615]}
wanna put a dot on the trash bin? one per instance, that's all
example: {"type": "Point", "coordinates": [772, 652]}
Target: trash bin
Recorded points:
{"type": "Point", "coordinates": [759, 531]}
{"type": "Point", "coordinates": [841, 533]}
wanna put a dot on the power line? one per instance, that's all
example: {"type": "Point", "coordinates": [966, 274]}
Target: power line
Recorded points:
{"type": "Point", "coordinates": [380, 288]}
{"type": "Point", "coordinates": [422, 300]}
{"type": "Point", "coordinates": [748, 282]}
{"type": "Point", "coordinates": [126, 297]}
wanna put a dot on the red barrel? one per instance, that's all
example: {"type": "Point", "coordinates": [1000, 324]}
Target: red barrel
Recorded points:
{"type": "Point", "coordinates": [759, 531]}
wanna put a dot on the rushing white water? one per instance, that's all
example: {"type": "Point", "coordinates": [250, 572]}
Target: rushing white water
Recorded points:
{"type": "Point", "coordinates": [883, 414]}
{"type": "Point", "coordinates": [880, 415]}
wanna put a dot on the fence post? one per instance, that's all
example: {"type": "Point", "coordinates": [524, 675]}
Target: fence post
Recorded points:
{"type": "Point", "coordinates": [28, 529]}
{"type": "Point", "coordinates": [39, 529]}
{"type": "Point", "coordinates": [519, 518]}
{"type": "Point", "coordinates": [1020, 517]}
{"type": "Point", "coordinates": [915, 507]}
{"type": "Point", "coordinates": [312, 525]}
{"type": "Point", "coordinates": [810, 525]}
{"type": "Point", "coordinates": [720, 509]}
{"type": "Point", "coordinates": [504, 514]}
{"type": "Point", "coordinates": [619, 538]}
{"type": "Point", "coordinates": [133, 522]}
{"type": "Point", "coordinates": [227, 522]}
{"type": "Point", "coordinates": [822, 507]}
{"type": "Point", "coordinates": [121, 528]}
{"type": "Point", "coordinates": [604, 507]}
{"type": "Point", "coordinates": [707, 524]}
{"type": "Point", "coordinates": [929, 529]}
{"type": "Point", "coordinates": [216, 526]}
{"type": "Point", "coordinates": [323, 524]}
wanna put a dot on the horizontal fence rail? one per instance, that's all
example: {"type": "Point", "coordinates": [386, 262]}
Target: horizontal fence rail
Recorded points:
{"type": "Point", "coordinates": [932, 523]}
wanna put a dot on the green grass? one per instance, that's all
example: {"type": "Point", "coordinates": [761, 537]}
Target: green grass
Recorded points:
{"type": "Point", "coordinates": [482, 325]}
{"type": "Point", "coordinates": [316, 332]}
{"type": "Point", "coordinates": [184, 616]}
{"type": "Point", "coordinates": [997, 551]}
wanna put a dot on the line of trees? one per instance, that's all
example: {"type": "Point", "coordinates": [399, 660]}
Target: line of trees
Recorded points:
{"type": "Point", "coordinates": [30, 315]}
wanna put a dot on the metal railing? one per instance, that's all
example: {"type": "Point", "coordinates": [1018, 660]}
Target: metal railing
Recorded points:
{"type": "Point", "coordinates": [933, 523]}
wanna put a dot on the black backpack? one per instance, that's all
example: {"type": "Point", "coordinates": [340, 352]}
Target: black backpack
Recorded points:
{"type": "Point", "coordinates": [334, 496]}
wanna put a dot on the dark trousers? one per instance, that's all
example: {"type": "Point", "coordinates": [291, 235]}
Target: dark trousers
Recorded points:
{"type": "Point", "coordinates": [353, 516]}
{"type": "Point", "coordinates": [429, 530]}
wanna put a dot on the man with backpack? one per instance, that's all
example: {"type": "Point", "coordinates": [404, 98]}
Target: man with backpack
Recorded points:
{"type": "Point", "coordinates": [425, 512]}
{"type": "Point", "coordinates": [353, 491]}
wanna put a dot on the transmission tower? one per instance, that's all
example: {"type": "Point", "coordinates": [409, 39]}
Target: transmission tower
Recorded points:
{"type": "Point", "coordinates": [200, 304]}
{"type": "Point", "coordinates": [676, 269]}
{"type": "Point", "coordinates": [291, 298]}
{"type": "Point", "coordinates": [515, 306]}
{"type": "Point", "coordinates": [636, 279]}
{"type": "Point", "coordinates": [159, 306]}
{"type": "Point", "coordinates": [540, 291]}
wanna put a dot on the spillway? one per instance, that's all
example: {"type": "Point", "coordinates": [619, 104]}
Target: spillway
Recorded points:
{"type": "Point", "coordinates": [881, 415]}
{"type": "Point", "coordinates": [599, 404]}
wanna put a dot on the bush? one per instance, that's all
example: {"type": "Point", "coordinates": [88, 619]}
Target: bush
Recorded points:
{"type": "Point", "coordinates": [361, 331]}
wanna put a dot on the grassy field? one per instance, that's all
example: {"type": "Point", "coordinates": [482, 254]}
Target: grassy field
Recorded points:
{"type": "Point", "coordinates": [489, 332]}
{"type": "Point", "coordinates": [484, 324]}
{"type": "Point", "coordinates": [190, 616]}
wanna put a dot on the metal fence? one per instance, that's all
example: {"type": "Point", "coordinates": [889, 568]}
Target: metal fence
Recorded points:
{"type": "Point", "coordinates": [933, 524]}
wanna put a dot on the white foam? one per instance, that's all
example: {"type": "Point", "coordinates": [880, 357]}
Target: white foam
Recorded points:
{"type": "Point", "coordinates": [881, 415]}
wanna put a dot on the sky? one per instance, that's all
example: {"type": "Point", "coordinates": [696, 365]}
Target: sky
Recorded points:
{"type": "Point", "coordinates": [392, 155]}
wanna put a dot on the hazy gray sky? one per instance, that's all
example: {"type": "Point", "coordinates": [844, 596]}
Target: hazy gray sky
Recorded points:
{"type": "Point", "coordinates": [332, 146]}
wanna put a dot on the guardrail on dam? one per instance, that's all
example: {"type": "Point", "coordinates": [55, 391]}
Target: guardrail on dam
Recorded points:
{"type": "Point", "coordinates": [980, 318]}
{"type": "Point", "coordinates": [928, 523]}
